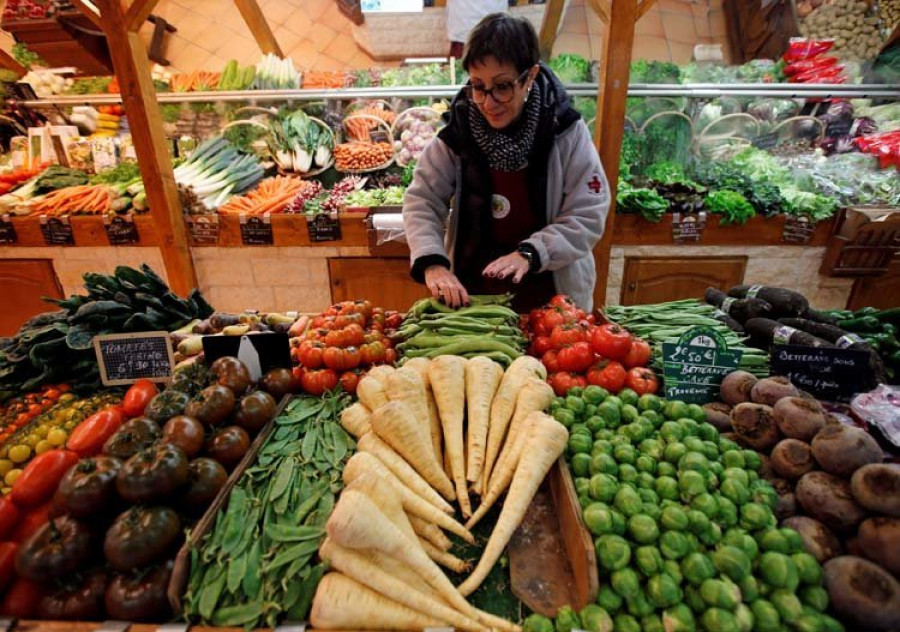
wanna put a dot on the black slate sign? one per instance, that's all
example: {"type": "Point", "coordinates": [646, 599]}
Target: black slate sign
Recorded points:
{"type": "Point", "coordinates": [204, 229]}
{"type": "Point", "coordinates": [834, 375]}
{"type": "Point", "coordinates": [120, 230]}
{"type": "Point", "coordinates": [766, 141]}
{"type": "Point", "coordinates": [7, 230]}
{"type": "Point", "coordinates": [689, 227]}
{"type": "Point", "coordinates": [324, 227]}
{"type": "Point", "coordinates": [694, 366]}
{"type": "Point", "coordinates": [57, 231]}
{"type": "Point", "coordinates": [124, 358]}
{"type": "Point", "coordinates": [256, 231]}
{"type": "Point", "coordinates": [840, 127]}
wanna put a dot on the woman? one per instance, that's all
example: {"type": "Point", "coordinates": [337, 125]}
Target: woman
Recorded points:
{"type": "Point", "coordinates": [529, 194]}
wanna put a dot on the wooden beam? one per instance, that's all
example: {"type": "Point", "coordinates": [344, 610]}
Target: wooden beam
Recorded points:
{"type": "Point", "coordinates": [129, 56]}
{"type": "Point", "coordinates": [138, 13]}
{"type": "Point", "coordinates": [646, 5]}
{"type": "Point", "coordinates": [601, 8]}
{"type": "Point", "coordinates": [549, 26]}
{"type": "Point", "coordinates": [259, 27]}
{"type": "Point", "coordinates": [89, 9]}
{"type": "Point", "coordinates": [11, 63]}
{"type": "Point", "coordinates": [609, 128]}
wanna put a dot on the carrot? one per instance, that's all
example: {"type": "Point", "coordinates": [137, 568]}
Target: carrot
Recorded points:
{"type": "Point", "coordinates": [355, 420]}
{"type": "Point", "coordinates": [371, 393]}
{"type": "Point", "coordinates": [362, 463]}
{"type": "Point", "coordinates": [407, 386]}
{"type": "Point", "coordinates": [546, 441]}
{"type": "Point", "coordinates": [395, 423]}
{"type": "Point", "coordinates": [445, 559]}
{"type": "Point", "coordinates": [431, 532]}
{"type": "Point", "coordinates": [483, 377]}
{"type": "Point", "coordinates": [364, 569]}
{"type": "Point", "coordinates": [420, 365]}
{"type": "Point", "coordinates": [372, 444]}
{"type": "Point", "coordinates": [448, 375]}
{"type": "Point", "coordinates": [344, 603]}
{"type": "Point", "coordinates": [504, 403]}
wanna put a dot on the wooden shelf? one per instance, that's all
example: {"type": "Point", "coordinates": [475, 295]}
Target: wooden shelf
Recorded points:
{"type": "Point", "coordinates": [633, 230]}
{"type": "Point", "coordinates": [86, 230]}
{"type": "Point", "coordinates": [291, 230]}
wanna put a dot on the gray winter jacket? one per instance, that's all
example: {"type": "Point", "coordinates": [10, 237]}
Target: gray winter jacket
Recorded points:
{"type": "Point", "coordinates": [577, 204]}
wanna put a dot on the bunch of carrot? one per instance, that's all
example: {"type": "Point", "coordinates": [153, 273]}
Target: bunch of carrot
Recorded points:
{"type": "Point", "coordinates": [324, 79]}
{"type": "Point", "coordinates": [384, 537]}
{"type": "Point", "coordinates": [197, 81]}
{"type": "Point", "coordinates": [359, 156]}
{"type": "Point", "coordinates": [96, 199]}
{"type": "Point", "coordinates": [271, 196]}
{"type": "Point", "coordinates": [358, 127]}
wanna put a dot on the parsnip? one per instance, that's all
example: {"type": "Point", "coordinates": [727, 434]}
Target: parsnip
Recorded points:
{"type": "Point", "coordinates": [394, 423]}
{"type": "Point", "coordinates": [547, 440]}
{"type": "Point", "coordinates": [483, 377]}
{"type": "Point", "coordinates": [445, 559]}
{"type": "Point", "coordinates": [420, 365]}
{"type": "Point", "coordinates": [430, 531]}
{"type": "Point", "coordinates": [407, 386]}
{"type": "Point", "coordinates": [371, 393]}
{"type": "Point", "coordinates": [355, 419]}
{"type": "Point", "coordinates": [380, 372]}
{"type": "Point", "coordinates": [448, 375]}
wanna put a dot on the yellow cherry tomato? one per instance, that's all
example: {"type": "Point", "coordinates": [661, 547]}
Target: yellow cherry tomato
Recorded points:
{"type": "Point", "coordinates": [43, 446]}
{"type": "Point", "coordinates": [57, 437]}
{"type": "Point", "coordinates": [19, 454]}
{"type": "Point", "coordinates": [12, 476]}
{"type": "Point", "coordinates": [5, 466]}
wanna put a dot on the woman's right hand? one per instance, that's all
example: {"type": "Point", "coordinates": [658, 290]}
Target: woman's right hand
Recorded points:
{"type": "Point", "coordinates": [445, 286]}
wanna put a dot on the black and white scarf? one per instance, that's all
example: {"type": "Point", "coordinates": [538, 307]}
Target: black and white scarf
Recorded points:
{"type": "Point", "coordinates": [508, 149]}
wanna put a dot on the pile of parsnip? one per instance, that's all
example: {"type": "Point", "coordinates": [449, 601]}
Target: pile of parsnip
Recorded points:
{"type": "Point", "coordinates": [430, 433]}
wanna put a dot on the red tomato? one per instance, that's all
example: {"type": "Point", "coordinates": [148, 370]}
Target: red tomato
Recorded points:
{"type": "Point", "coordinates": [638, 354]}
{"type": "Point", "coordinates": [336, 338]}
{"type": "Point", "coordinates": [89, 436]}
{"type": "Point", "coordinates": [550, 359]}
{"type": "Point", "coordinates": [41, 477]}
{"type": "Point", "coordinates": [354, 334]}
{"type": "Point", "coordinates": [642, 381]}
{"type": "Point", "coordinates": [311, 354]}
{"type": "Point", "coordinates": [564, 335]}
{"type": "Point", "coordinates": [608, 374]}
{"type": "Point", "coordinates": [21, 600]}
{"type": "Point", "coordinates": [390, 356]}
{"type": "Point", "coordinates": [552, 317]}
{"type": "Point", "coordinates": [561, 382]}
{"type": "Point", "coordinates": [10, 517]}
{"type": "Point", "coordinates": [611, 341]}
{"type": "Point", "coordinates": [317, 382]}
{"type": "Point", "coordinates": [7, 563]}
{"type": "Point", "coordinates": [352, 318]}
{"type": "Point", "coordinates": [342, 359]}
{"type": "Point", "coordinates": [576, 358]}
{"type": "Point", "coordinates": [372, 353]}
{"type": "Point", "coordinates": [349, 380]}
{"type": "Point", "coordinates": [562, 301]}
{"type": "Point", "coordinates": [34, 520]}
{"type": "Point", "coordinates": [393, 320]}
{"type": "Point", "coordinates": [541, 345]}
{"type": "Point", "coordinates": [137, 397]}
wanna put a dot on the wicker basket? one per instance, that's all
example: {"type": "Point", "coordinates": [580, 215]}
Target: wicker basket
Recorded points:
{"type": "Point", "coordinates": [405, 117]}
{"type": "Point", "coordinates": [371, 123]}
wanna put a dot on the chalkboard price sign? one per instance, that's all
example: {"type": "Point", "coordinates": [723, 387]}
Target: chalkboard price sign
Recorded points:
{"type": "Point", "coordinates": [694, 366]}
{"type": "Point", "coordinates": [7, 230]}
{"type": "Point", "coordinates": [834, 375]}
{"type": "Point", "coordinates": [689, 227]}
{"type": "Point", "coordinates": [798, 230]}
{"type": "Point", "coordinates": [204, 229]}
{"type": "Point", "coordinates": [256, 231]}
{"type": "Point", "coordinates": [324, 227]}
{"type": "Point", "coordinates": [57, 231]}
{"type": "Point", "coordinates": [124, 358]}
{"type": "Point", "coordinates": [120, 230]}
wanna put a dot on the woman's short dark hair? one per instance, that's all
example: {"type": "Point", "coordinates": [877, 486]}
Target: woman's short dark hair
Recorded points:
{"type": "Point", "coordinates": [508, 38]}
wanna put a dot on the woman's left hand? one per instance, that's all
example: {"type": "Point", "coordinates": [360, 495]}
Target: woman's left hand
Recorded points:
{"type": "Point", "coordinates": [513, 264]}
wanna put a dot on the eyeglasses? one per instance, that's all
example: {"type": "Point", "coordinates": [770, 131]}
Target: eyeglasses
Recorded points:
{"type": "Point", "coordinates": [502, 92]}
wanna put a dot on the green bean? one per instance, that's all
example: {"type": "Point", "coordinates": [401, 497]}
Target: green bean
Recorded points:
{"type": "Point", "coordinates": [475, 344]}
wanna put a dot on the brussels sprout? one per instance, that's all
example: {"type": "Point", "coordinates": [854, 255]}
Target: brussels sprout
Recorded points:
{"type": "Point", "coordinates": [808, 568]}
{"type": "Point", "coordinates": [648, 495]}
{"type": "Point", "coordinates": [671, 432]}
{"type": "Point", "coordinates": [705, 503]}
{"type": "Point", "coordinates": [584, 501]}
{"type": "Point", "coordinates": [595, 423]}
{"type": "Point", "coordinates": [690, 484]}
{"type": "Point", "coordinates": [809, 623]}
{"type": "Point", "coordinates": [606, 434]}
{"type": "Point", "coordinates": [614, 400]}
{"type": "Point", "coordinates": [652, 623]}
{"type": "Point", "coordinates": [650, 402]}
{"type": "Point", "coordinates": [598, 518]}
{"type": "Point", "coordinates": [628, 501]}
{"type": "Point", "coordinates": [575, 404]}
{"type": "Point", "coordinates": [737, 473]}
{"type": "Point", "coordinates": [815, 597]}
{"type": "Point", "coordinates": [652, 448]}
{"type": "Point", "coordinates": [626, 583]}
{"type": "Point", "coordinates": [662, 591]}
{"type": "Point", "coordinates": [639, 605]}
{"type": "Point", "coordinates": [594, 394]}
{"type": "Point", "coordinates": [625, 396]}
{"type": "Point", "coordinates": [667, 487]}
{"type": "Point", "coordinates": [645, 480]}
{"type": "Point", "coordinates": [653, 417]}
{"type": "Point", "coordinates": [752, 460]}
{"type": "Point", "coordinates": [581, 464]}
{"type": "Point", "coordinates": [595, 619]}
{"type": "Point", "coordinates": [581, 486]}
{"type": "Point", "coordinates": [603, 487]}
{"type": "Point", "coordinates": [664, 468]}
{"type": "Point", "coordinates": [679, 619]}
{"type": "Point", "coordinates": [674, 519]}
{"type": "Point", "coordinates": [653, 510]}
{"type": "Point", "coordinates": [789, 607]}
{"type": "Point", "coordinates": [564, 416]}
{"type": "Point", "coordinates": [628, 473]}
{"type": "Point", "coordinates": [604, 464]}
{"type": "Point", "coordinates": [567, 620]}
{"type": "Point", "coordinates": [755, 516]}
{"type": "Point", "coordinates": [778, 570]}
{"type": "Point", "coordinates": [625, 453]}
{"type": "Point", "coordinates": [643, 529]}
{"type": "Point", "coordinates": [694, 461]}
{"type": "Point", "coordinates": [698, 522]}
{"type": "Point", "coordinates": [674, 452]}
{"type": "Point", "coordinates": [675, 409]}
{"type": "Point", "coordinates": [794, 540]}
{"type": "Point", "coordinates": [761, 491]}
{"type": "Point", "coordinates": [673, 570]}
{"type": "Point", "coordinates": [626, 623]}
{"type": "Point", "coordinates": [635, 432]}
{"type": "Point", "coordinates": [674, 545]}
{"type": "Point", "coordinates": [728, 512]}
{"type": "Point", "coordinates": [710, 450]}
{"type": "Point", "coordinates": [830, 624]}
{"type": "Point", "coordinates": [610, 412]}
{"type": "Point", "coordinates": [609, 599]}
{"type": "Point", "coordinates": [773, 540]}
{"type": "Point", "coordinates": [744, 618]}
{"type": "Point", "coordinates": [537, 623]}
{"type": "Point", "coordinates": [749, 589]}
{"type": "Point", "coordinates": [697, 568]}
{"type": "Point", "coordinates": [613, 552]}
{"type": "Point", "coordinates": [731, 458]}
{"type": "Point", "coordinates": [732, 562]}
{"type": "Point", "coordinates": [693, 543]}
{"type": "Point", "coordinates": [706, 431]}
{"type": "Point", "coordinates": [619, 522]}
{"type": "Point", "coordinates": [719, 620]}
{"type": "Point", "coordinates": [693, 599]}
{"type": "Point", "coordinates": [630, 413]}
{"type": "Point", "coordinates": [721, 594]}
{"type": "Point", "coordinates": [602, 446]}
{"type": "Point", "coordinates": [735, 491]}
{"type": "Point", "coordinates": [648, 560]}
{"type": "Point", "coordinates": [581, 429]}
{"type": "Point", "coordinates": [693, 443]}
{"type": "Point", "coordinates": [646, 464]}
{"type": "Point", "coordinates": [765, 616]}
{"type": "Point", "coordinates": [716, 468]}
{"type": "Point", "coordinates": [711, 536]}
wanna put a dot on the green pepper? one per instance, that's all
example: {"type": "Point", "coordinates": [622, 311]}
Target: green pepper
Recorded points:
{"type": "Point", "coordinates": [891, 315]}
{"type": "Point", "coordinates": [861, 323]}
{"type": "Point", "coordinates": [867, 311]}
{"type": "Point", "coordinates": [889, 328]}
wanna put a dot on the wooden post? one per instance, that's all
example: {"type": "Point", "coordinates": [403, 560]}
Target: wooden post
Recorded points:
{"type": "Point", "coordinates": [601, 8]}
{"type": "Point", "coordinates": [609, 127]}
{"type": "Point", "coordinates": [129, 56]}
{"type": "Point", "coordinates": [259, 26]}
{"type": "Point", "coordinates": [88, 9]}
{"type": "Point", "coordinates": [10, 63]}
{"type": "Point", "coordinates": [138, 13]}
{"type": "Point", "coordinates": [549, 26]}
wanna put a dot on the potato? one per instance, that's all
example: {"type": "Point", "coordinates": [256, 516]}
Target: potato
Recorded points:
{"type": "Point", "coordinates": [879, 540]}
{"type": "Point", "coordinates": [877, 488]}
{"type": "Point", "coordinates": [799, 418]}
{"type": "Point", "coordinates": [755, 426]}
{"type": "Point", "coordinates": [771, 389]}
{"type": "Point", "coordinates": [842, 450]}
{"type": "Point", "coordinates": [792, 458]}
{"type": "Point", "coordinates": [828, 499]}
{"type": "Point", "coordinates": [863, 594]}
{"type": "Point", "coordinates": [818, 540]}
{"type": "Point", "coordinates": [735, 388]}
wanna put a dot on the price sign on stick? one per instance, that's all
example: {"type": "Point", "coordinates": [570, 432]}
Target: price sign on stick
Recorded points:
{"type": "Point", "coordinates": [125, 358]}
{"type": "Point", "coordinates": [694, 366]}
{"type": "Point", "coordinates": [834, 375]}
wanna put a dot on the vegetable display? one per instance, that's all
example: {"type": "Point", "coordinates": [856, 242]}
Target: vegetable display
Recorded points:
{"type": "Point", "coordinates": [216, 170]}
